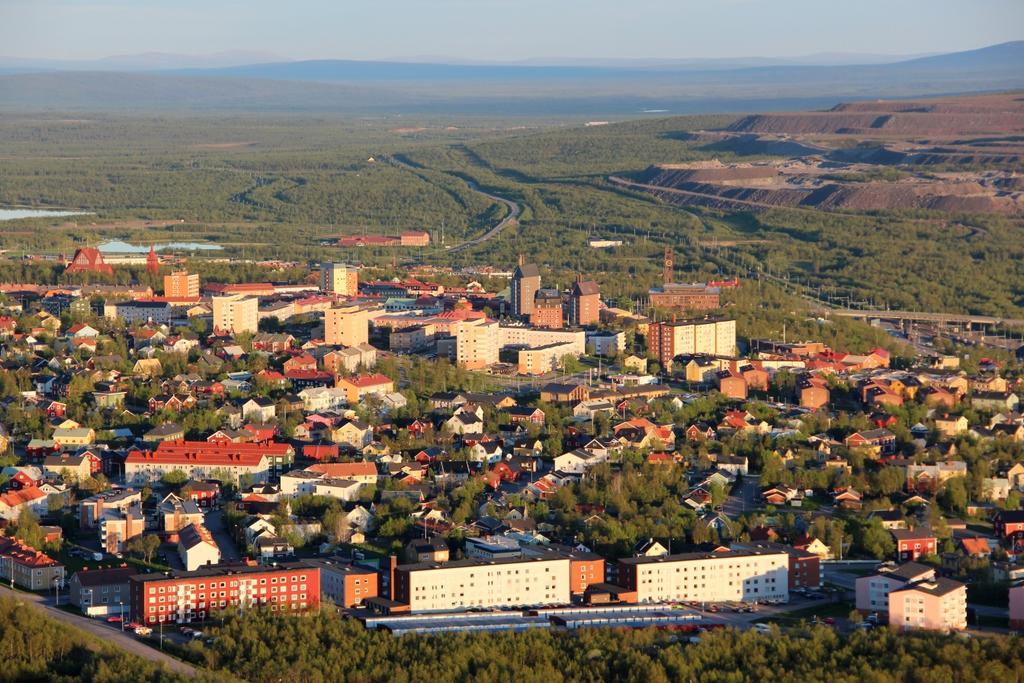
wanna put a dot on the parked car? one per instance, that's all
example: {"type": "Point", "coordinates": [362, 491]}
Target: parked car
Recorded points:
{"type": "Point", "coordinates": [143, 631]}
{"type": "Point", "coordinates": [114, 620]}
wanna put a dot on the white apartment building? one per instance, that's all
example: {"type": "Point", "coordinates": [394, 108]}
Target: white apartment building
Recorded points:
{"type": "Point", "coordinates": [607, 343]}
{"type": "Point", "coordinates": [532, 337]}
{"type": "Point", "coordinates": [428, 586]}
{"type": "Point", "coordinates": [476, 343]}
{"type": "Point", "coordinates": [236, 313]}
{"type": "Point", "coordinates": [740, 576]}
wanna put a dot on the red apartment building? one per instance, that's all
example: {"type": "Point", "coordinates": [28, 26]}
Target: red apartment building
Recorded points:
{"type": "Point", "coordinates": [804, 569]}
{"type": "Point", "coordinates": [292, 588]}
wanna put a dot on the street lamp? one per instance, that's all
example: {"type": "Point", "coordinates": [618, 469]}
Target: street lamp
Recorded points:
{"type": "Point", "coordinates": [56, 591]}
{"type": "Point", "coordinates": [120, 611]}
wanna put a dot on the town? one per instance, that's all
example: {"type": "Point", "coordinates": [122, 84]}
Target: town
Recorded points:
{"type": "Point", "coordinates": [427, 457]}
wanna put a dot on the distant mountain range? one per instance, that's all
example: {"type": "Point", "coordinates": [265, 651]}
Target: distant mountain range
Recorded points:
{"type": "Point", "coordinates": [599, 87]}
{"type": "Point", "coordinates": [153, 61]}
{"type": "Point", "coordinates": [147, 61]}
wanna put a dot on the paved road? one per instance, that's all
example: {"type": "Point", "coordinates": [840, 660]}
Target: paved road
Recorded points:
{"type": "Point", "coordinates": [512, 218]}
{"type": "Point", "coordinates": [122, 639]}
{"type": "Point", "coordinates": [744, 497]}
{"type": "Point", "coordinates": [214, 520]}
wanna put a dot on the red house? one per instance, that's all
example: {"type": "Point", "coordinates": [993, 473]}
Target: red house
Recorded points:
{"type": "Point", "coordinates": [913, 543]}
{"type": "Point", "coordinates": [301, 362]}
{"type": "Point", "coordinates": [526, 414]}
{"type": "Point", "coordinates": [1009, 525]}
{"type": "Point", "coordinates": [505, 471]}
{"type": "Point", "coordinates": [204, 493]}
{"type": "Point", "coordinates": [699, 432]}
{"type": "Point", "coordinates": [261, 434]}
{"type": "Point", "coordinates": [21, 480]}
{"type": "Point", "coordinates": [56, 409]}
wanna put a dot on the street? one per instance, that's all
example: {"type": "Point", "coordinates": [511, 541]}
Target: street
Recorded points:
{"type": "Point", "coordinates": [744, 496]}
{"type": "Point", "coordinates": [124, 640]}
{"type": "Point", "coordinates": [214, 521]}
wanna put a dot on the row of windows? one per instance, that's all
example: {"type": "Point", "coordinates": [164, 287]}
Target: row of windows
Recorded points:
{"type": "Point", "coordinates": [295, 578]}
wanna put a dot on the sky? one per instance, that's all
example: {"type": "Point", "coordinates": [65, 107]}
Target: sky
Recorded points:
{"type": "Point", "coordinates": [503, 30]}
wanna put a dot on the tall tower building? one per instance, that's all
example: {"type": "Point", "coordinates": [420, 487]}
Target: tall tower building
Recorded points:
{"type": "Point", "coordinates": [346, 326]}
{"type": "Point", "coordinates": [338, 278]}
{"type": "Point", "coordinates": [667, 277]}
{"type": "Point", "coordinates": [525, 283]}
{"type": "Point", "coordinates": [181, 285]}
{"type": "Point", "coordinates": [584, 303]}
{"type": "Point", "coordinates": [235, 314]}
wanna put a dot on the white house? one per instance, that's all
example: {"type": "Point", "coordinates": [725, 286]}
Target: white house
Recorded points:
{"type": "Point", "coordinates": [315, 399]}
{"type": "Point", "coordinates": [197, 547]}
{"type": "Point", "coordinates": [578, 461]}
{"type": "Point", "coordinates": [259, 409]}
{"type": "Point", "coordinates": [466, 424]}
{"type": "Point", "coordinates": [489, 452]}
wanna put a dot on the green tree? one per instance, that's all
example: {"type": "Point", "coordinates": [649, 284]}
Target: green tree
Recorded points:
{"type": "Point", "coordinates": [174, 478]}
{"type": "Point", "coordinates": [144, 546]}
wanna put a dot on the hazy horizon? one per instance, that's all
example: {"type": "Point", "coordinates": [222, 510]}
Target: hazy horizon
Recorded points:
{"type": "Point", "coordinates": [498, 31]}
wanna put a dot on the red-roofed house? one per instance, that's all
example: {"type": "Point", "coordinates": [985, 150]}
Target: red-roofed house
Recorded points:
{"type": "Point", "coordinates": [976, 546]}
{"type": "Point", "coordinates": [362, 472]}
{"type": "Point", "coordinates": [303, 361]}
{"type": "Point", "coordinates": [13, 502]}
{"type": "Point", "coordinates": [321, 452]}
{"type": "Point", "coordinates": [31, 569]}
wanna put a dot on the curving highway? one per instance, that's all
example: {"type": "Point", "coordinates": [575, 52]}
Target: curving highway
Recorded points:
{"type": "Point", "coordinates": [512, 218]}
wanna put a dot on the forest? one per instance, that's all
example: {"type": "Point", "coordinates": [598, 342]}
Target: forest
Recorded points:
{"type": "Point", "coordinates": [35, 647]}
{"type": "Point", "coordinates": [263, 647]}
{"type": "Point", "coordinates": [284, 187]}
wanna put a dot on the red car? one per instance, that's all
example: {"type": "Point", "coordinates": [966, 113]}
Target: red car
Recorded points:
{"type": "Point", "coordinates": [829, 620]}
{"type": "Point", "coordinates": [114, 620]}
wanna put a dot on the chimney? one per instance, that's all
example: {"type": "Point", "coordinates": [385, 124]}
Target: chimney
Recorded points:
{"type": "Point", "coordinates": [522, 261]}
{"type": "Point", "coordinates": [392, 564]}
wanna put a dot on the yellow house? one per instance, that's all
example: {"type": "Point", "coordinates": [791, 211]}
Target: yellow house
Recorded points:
{"type": "Point", "coordinates": [76, 436]}
{"type": "Point", "coordinates": [48, 321]}
{"type": "Point", "coordinates": [950, 426]}
{"type": "Point", "coordinates": [817, 547]}
{"type": "Point", "coordinates": [148, 366]}
{"type": "Point", "coordinates": [636, 364]}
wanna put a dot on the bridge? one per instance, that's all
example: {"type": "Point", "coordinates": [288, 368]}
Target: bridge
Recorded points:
{"type": "Point", "coordinates": [929, 317]}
